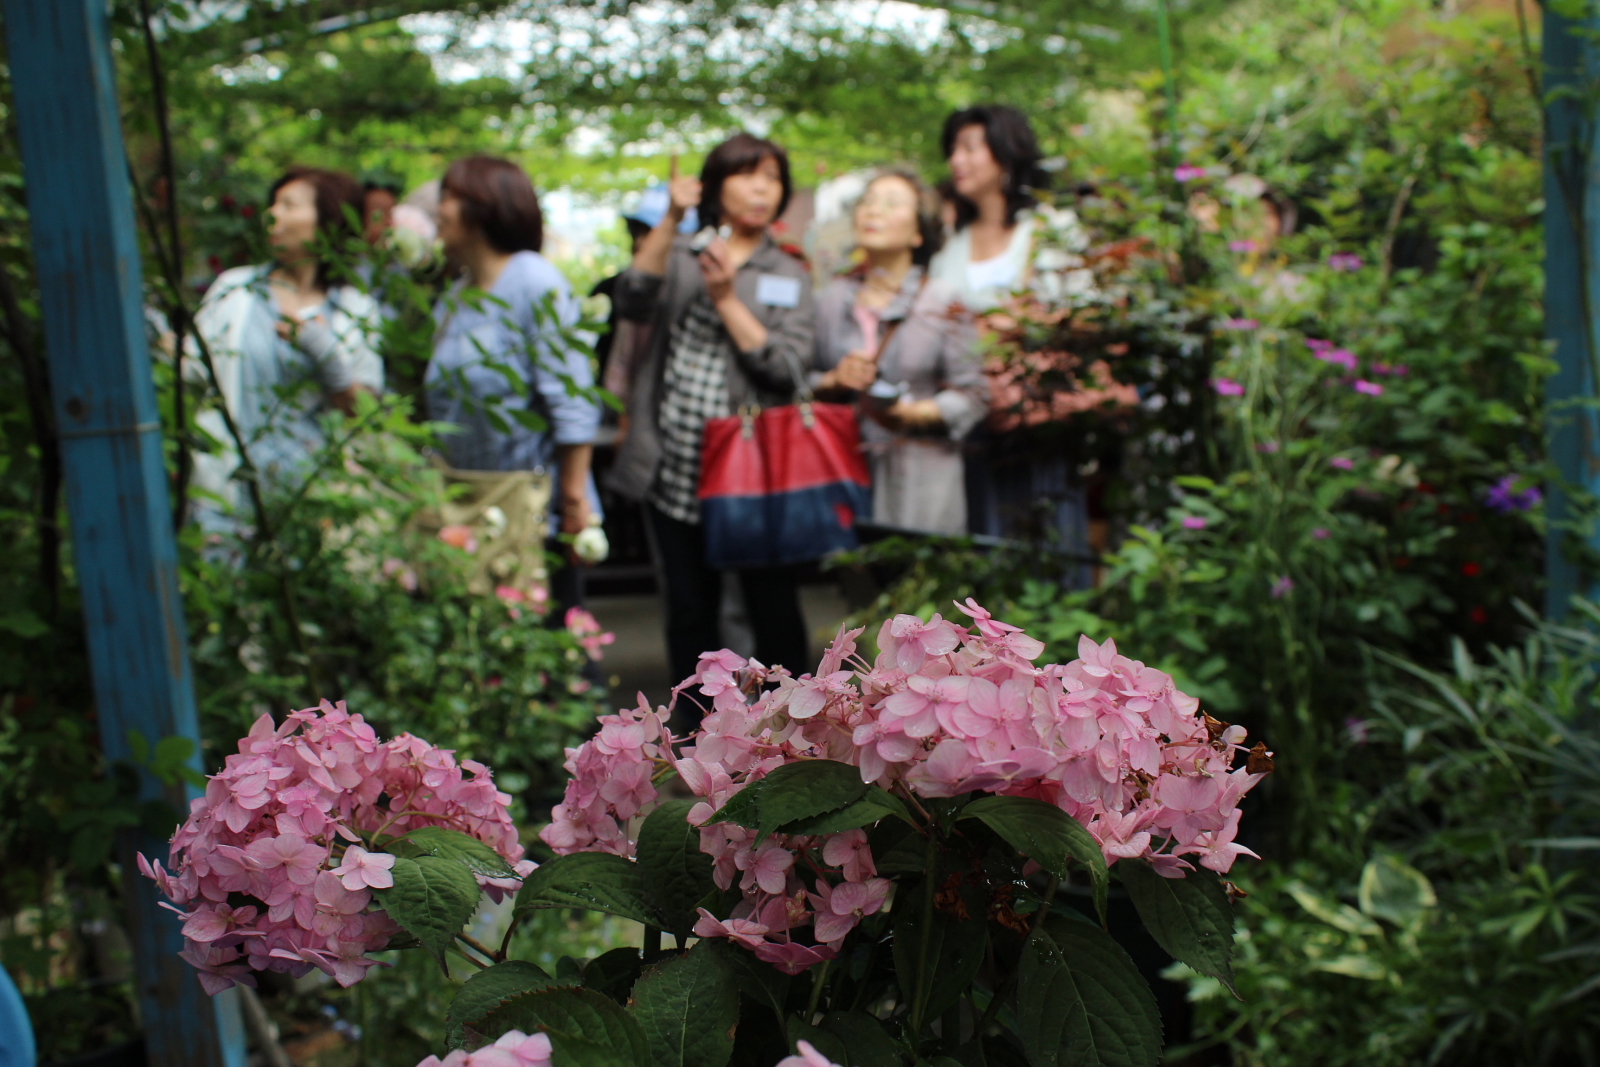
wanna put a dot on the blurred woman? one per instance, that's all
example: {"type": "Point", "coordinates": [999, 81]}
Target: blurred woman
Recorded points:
{"type": "Point", "coordinates": [732, 329]}
{"type": "Point", "coordinates": [290, 340]}
{"type": "Point", "coordinates": [514, 392]}
{"type": "Point", "coordinates": [889, 335]}
{"type": "Point", "coordinates": [994, 168]}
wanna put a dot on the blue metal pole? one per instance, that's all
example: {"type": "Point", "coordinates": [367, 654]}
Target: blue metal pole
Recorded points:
{"type": "Point", "coordinates": [86, 253]}
{"type": "Point", "coordinates": [1572, 281]}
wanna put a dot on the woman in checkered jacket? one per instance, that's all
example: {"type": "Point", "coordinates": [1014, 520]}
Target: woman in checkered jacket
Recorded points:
{"type": "Point", "coordinates": [732, 326]}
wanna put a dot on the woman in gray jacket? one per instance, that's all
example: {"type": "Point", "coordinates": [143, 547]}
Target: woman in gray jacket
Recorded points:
{"type": "Point", "coordinates": [902, 343]}
{"type": "Point", "coordinates": [732, 325]}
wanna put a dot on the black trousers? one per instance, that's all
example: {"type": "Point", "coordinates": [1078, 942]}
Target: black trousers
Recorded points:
{"type": "Point", "coordinates": [693, 594]}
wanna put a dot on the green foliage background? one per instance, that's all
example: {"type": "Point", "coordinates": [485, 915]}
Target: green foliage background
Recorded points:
{"type": "Point", "coordinates": [1405, 132]}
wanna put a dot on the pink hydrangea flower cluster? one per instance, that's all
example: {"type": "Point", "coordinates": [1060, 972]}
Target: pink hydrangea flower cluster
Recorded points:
{"type": "Point", "coordinates": [514, 1049]}
{"type": "Point", "coordinates": [945, 709]}
{"type": "Point", "coordinates": [275, 867]}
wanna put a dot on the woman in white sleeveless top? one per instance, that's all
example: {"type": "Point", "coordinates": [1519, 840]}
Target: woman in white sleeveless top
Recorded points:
{"type": "Point", "coordinates": [994, 167]}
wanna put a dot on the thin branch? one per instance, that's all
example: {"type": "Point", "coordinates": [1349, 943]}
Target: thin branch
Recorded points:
{"type": "Point", "coordinates": [1397, 212]}
{"type": "Point", "coordinates": [177, 312]}
{"type": "Point", "coordinates": [36, 383]}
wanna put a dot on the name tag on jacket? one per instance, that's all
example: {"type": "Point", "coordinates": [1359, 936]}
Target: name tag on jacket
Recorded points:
{"type": "Point", "coordinates": [775, 290]}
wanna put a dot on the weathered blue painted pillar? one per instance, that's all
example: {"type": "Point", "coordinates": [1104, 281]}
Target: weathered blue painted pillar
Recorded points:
{"type": "Point", "coordinates": [86, 253]}
{"type": "Point", "coordinates": [1572, 278]}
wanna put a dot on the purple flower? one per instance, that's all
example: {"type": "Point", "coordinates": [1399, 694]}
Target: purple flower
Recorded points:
{"type": "Point", "coordinates": [1238, 324]}
{"type": "Point", "coordinates": [1188, 173]}
{"type": "Point", "coordinates": [1399, 370]}
{"type": "Point", "coordinates": [1320, 533]}
{"type": "Point", "coordinates": [1243, 246]}
{"type": "Point", "coordinates": [1361, 385]}
{"type": "Point", "coordinates": [1227, 387]}
{"type": "Point", "coordinates": [1317, 345]}
{"type": "Point", "coordinates": [1345, 261]}
{"type": "Point", "coordinates": [1193, 522]}
{"type": "Point", "coordinates": [1357, 730]}
{"type": "Point", "coordinates": [1281, 587]}
{"type": "Point", "coordinates": [1267, 447]}
{"type": "Point", "coordinates": [1344, 463]}
{"type": "Point", "coordinates": [1341, 356]}
{"type": "Point", "coordinates": [1505, 497]}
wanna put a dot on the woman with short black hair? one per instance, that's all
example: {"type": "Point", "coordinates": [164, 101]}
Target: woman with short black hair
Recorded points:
{"type": "Point", "coordinates": [499, 356]}
{"type": "Point", "coordinates": [732, 328]}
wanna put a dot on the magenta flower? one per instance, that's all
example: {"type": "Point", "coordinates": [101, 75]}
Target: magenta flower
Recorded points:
{"type": "Point", "coordinates": [1244, 246]}
{"type": "Point", "coordinates": [1505, 497]}
{"type": "Point", "coordinates": [1357, 731]}
{"type": "Point", "coordinates": [1317, 345]}
{"type": "Point", "coordinates": [1227, 387]}
{"type": "Point", "coordinates": [1361, 385]}
{"type": "Point", "coordinates": [1345, 261]}
{"type": "Point", "coordinates": [1344, 463]}
{"type": "Point", "coordinates": [1342, 357]}
{"type": "Point", "coordinates": [1320, 533]}
{"type": "Point", "coordinates": [1238, 324]}
{"type": "Point", "coordinates": [1268, 448]}
{"type": "Point", "coordinates": [1282, 587]}
{"type": "Point", "coordinates": [1188, 173]}
{"type": "Point", "coordinates": [1194, 522]}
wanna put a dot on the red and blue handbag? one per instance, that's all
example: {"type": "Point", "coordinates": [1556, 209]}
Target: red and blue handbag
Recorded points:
{"type": "Point", "coordinates": [782, 484]}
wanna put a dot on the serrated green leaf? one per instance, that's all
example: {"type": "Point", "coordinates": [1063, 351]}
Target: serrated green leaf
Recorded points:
{"type": "Point", "coordinates": [688, 1008]}
{"type": "Point", "coordinates": [1047, 835]}
{"type": "Point", "coordinates": [1191, 918]}
{"type": "Point", "coordinates": [876, 805]}
{"type": "Point", "coordinates": [586, 1028]}
{"type": "Point", "coordinates": [676, 874]}
{"type": "Point", "coordinates": [455, 845]}
{"type": "Point", "coordinates": [850, 1037]}
{"type": "Point", "coordinates": [597, 881]}
{"type": "Point", "coordinates": [792, 793]}
{"type": "Point", "coordinates": [489, 989]}
{"type": "Point", "coordinates": [432, 897]}
{"type": "Point", "coordinates": [954, 953]}
{"type": "Point", "coordinates": [1082, 1003]}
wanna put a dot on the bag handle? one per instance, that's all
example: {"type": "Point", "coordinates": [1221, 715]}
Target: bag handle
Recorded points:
{"type": "Point", "coordinates": [889, 330]}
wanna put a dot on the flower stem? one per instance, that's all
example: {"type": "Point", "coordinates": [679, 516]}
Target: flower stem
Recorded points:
{"type": "Point", "coordinates": [1003, 991]}
{"type": "Point", "coordinates": [929, 883]}
{"type": "Point", "coordinates": [816, 991]}
{"type": "Point", "coordinates": [481, 948]}
{"type": "Point", "coordinates": [475, 961]}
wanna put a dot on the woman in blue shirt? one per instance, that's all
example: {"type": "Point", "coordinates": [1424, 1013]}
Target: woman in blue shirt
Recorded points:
{"type": "Point", "coordinates": [517, 395]}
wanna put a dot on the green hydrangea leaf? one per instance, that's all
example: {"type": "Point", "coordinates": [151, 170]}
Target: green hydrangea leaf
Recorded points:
{"type": "Point", "coordinates": [1190, 917]}
{"type": "Point", "coordinates": [432, 897]}
{"type": "Point", "coordinates": [1082, 1003]}
{"type": "Point", "coordinates": [688, 1008]}
{"type": "Point", "coordinates": [676, 874]}
{"type": "Point", "coordinates": [1047, 835]}
{"type": "Point", "coordinates": [596, 881]}
{"type": "Point", "coordinates": [488, 990]}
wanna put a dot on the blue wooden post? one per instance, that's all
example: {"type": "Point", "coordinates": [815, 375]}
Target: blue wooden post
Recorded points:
{"type": "Point", "coordinates": [86, 253]}
{"type": "Point", "coordinates": [1572, 277]}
